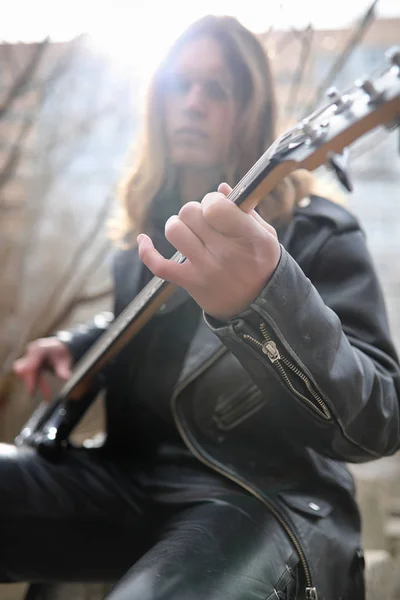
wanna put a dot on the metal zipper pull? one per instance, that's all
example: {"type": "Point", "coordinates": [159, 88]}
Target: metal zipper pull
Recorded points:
{"type": "Point", "coordinates": [270, 349]}
{"type": "Point", "coordinates": [311, 593]}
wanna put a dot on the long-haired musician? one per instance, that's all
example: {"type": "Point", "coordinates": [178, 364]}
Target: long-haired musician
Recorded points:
{"type": "Point", "coordinates": [232, 413]}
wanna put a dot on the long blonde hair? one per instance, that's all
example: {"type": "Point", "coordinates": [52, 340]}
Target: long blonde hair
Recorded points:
{"type": "Point", "coordinates": [256, 129]}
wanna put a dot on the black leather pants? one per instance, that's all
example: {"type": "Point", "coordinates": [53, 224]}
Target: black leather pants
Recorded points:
{"type": "Point", "coordinates": [165, 529]}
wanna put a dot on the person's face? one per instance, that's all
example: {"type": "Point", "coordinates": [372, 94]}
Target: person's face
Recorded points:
{"type": "Point", "coordinates": [200, 109]}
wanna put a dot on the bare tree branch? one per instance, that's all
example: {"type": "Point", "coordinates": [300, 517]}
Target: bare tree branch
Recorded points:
{"type": "Point", "coordinates": [61, 67]}
{"type": "Point", "coordinates": [13, 158]}
{"type": "Point", "coordinates": [17, 89]}
{"type": "Point", "coordinates": [11, 59]}
{"type": "Point", "coordinates": [79, 253]}
{"type": "Point", "coordinates": [297, 81]}
{"type": "Point", "coordinates": [343, 57]}
{"type": "Point", "coordinates": [79, 301]}
{"type": "Point", "coordinates": [24, 77]}
{"type": "Point", "coordinates": [11, 207]}
{"type": "Point", "coordinates": [264, 37]}
{"type": "Point", "coordinates": [288, 38]}
{"type": "Point", "coordinates": [47, 85]}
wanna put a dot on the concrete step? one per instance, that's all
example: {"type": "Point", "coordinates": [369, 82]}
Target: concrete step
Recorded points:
{"type": "Point", "coordinates": [384, 471]}
{"type": "Point", "coordinates": [61, 591]}
{"type": "Point", "coordinates": [378, 495]}
{"type": "Point", "coordinates": [372, 500]}
{"type": "Point", "coordinates": [380, 574]}
{"type": "Point", "coordinates": [13, 591]}
{"type": "Point", "coordinates": [394, 507]}
{"type": "Point", "coordinates": [392, 529]}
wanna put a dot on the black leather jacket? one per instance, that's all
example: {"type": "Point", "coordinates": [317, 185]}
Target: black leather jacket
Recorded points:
{"type": "Point", "coordinates": [301, 382]}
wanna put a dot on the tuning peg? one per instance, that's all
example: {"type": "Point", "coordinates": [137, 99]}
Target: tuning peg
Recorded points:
{"type": "Point", "coordinates": [370, 89]}
{"type": "Point", "coordinates": [314, 132]}
{"type": "Point", "coordinates": [393, 55]}
{"type": "Point", "coordinates": [339, 163]}
{"type": "Point", "coordinates": [342, 102]}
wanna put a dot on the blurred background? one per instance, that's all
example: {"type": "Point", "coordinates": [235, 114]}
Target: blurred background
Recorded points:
{"type": "Point", "coordinates": [72, 78]}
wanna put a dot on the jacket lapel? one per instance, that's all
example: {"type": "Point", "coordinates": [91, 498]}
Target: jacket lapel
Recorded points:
{"type": "Point", "coordinates": [204, 345]}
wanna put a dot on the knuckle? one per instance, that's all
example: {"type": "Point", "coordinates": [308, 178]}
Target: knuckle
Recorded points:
{"type": "Point", "coordinates": [160, 270]}
{"type": "Point", "coordinates": [214, 209]}
{"type": "Point", "coordinates": [188, 210]}
{"type": "Point", "coordinates": [173, 225]}
{"type": "Point", "coordinates": [213, 197]}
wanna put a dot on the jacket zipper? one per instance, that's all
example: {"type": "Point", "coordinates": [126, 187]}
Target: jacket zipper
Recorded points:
{"type": "Point", "coordinates": [279, 361]}
{"type": "Point", "coordinates": [310, 591]}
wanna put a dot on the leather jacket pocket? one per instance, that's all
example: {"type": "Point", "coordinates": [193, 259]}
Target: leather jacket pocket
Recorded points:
{"type": "Point", "coordinates": [306, 504]}
{"type": "Point", "coordinates": [232, 410]}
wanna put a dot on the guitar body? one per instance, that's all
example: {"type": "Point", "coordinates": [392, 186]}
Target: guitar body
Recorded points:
{"type": "Point", "coordinates": [50, 426]}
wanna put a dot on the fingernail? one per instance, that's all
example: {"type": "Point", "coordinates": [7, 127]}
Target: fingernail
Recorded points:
{"type": "Point", "coordinates": [139, 238]}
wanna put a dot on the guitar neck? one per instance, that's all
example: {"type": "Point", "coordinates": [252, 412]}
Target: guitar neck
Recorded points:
{"type": "Point", "coordinates": [122, 329]}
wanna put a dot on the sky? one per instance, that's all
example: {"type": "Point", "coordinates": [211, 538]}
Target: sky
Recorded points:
{"type": "Point", "coordinates": [122, 27]}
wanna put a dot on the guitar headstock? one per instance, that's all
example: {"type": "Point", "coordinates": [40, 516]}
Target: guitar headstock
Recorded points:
{"type": "Point", "coordinates": [370, 102]}
{"type": "Point", "coordinates": [326, 134]}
